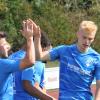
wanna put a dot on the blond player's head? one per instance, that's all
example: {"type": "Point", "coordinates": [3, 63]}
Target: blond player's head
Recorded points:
{"type": "Point", "coordinates": [88, 27]}
{"type": "Point", "coordinates": [86, 34]}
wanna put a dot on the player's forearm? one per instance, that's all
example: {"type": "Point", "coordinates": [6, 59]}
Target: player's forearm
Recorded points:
{"type": "Point", "coordinates": [38, 48]}
{"type": "Point", "coordinates": [30, 54]}
{"type": "Point", "coordinates": [36, 92]}
{"type": "Point", "coordinates": [42, 95]}
{"type": "Point", "coordinates": [29, 59]}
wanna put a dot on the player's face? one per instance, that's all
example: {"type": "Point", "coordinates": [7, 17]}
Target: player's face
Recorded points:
{"type": "Point", "coordinates": [84, 40]}
{"type": "Point", "coordinates": [4, 48]}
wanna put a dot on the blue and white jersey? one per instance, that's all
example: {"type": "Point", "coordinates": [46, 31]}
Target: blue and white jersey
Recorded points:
{"type": "Point", "coordinates": [7, 67]}
{"type": "Point", "coordinates": [77, 71]}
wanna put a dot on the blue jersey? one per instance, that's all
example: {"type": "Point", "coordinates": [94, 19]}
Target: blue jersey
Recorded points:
{"type": "Point", "coordinates": [77, 71]}
{"type": "Point", "coordinates": [6, 68]}
{"type": "Point", "coordinates": [33, 74]}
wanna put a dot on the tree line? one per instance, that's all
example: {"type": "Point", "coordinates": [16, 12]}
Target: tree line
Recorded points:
{"type": "Point", "coordinates": [58, 18]}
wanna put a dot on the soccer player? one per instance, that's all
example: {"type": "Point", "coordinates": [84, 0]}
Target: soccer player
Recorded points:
{"type": "Point", "coordinates": [29, 84]}
{"type": "Point", "coordinates": [8, 66]}
{"type": "Point", "coordinates": [79, 63]}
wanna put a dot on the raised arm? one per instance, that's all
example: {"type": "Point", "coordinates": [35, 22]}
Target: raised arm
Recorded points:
{"type": "Point", "coordinates": [27, 32]}
{"type": "Point", "coordinates": [42, 55]}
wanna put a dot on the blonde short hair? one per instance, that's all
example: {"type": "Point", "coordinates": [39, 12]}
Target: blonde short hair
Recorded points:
{"type": "Point", "coordinates": [88, 27]}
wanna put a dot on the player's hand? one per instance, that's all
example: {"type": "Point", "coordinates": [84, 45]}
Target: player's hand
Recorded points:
{"type": "Point", "coordinates": [27, 30]}
{"type": "Point", "coordinates": [36, 29]}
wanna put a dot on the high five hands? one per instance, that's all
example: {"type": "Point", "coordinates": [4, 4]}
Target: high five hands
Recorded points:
{"type": "Point", "coordinates": [36, 29]}
{"type": "Point", "coordinates": [30, 28]}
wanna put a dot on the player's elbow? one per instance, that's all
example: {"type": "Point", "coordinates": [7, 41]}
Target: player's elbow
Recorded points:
{"type": "Point", "coordinates": [25, 63]}
{"type": "Point", "coordinates": [31, 62]}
